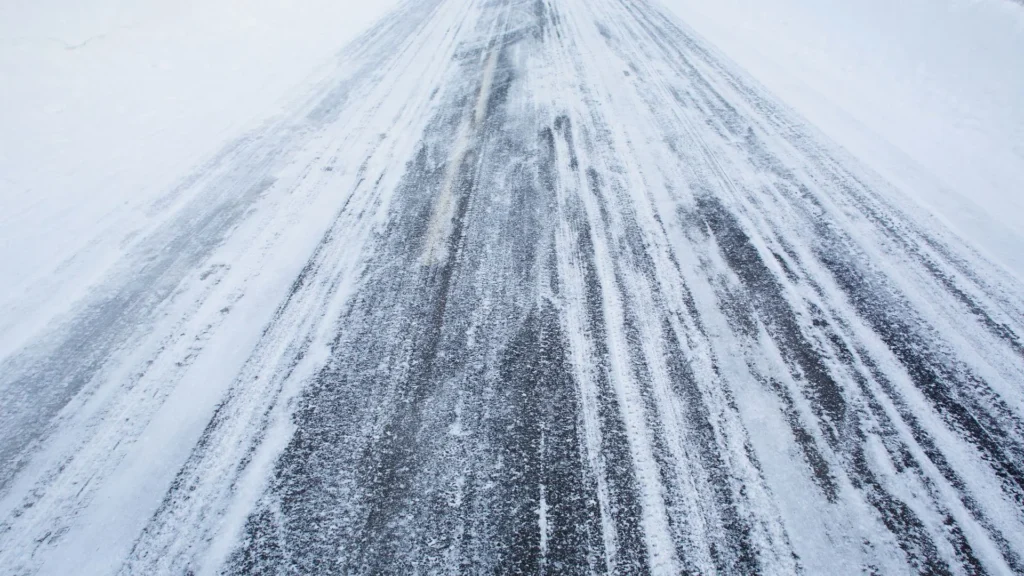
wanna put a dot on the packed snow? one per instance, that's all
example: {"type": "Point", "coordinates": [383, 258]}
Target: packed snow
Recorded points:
{"type": "Point", "coordinates": [511, 286]}
{"type": "Point", "coordinates": [927, 92]}
{"type": "Point", "coordinates": [107, 104]}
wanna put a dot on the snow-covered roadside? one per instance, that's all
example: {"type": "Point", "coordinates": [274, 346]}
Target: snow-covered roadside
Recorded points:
{"type": "Point", "coordinates": [107, 103]}
{"type": "Point", "coordinates": [926, 92]}
{"type": "Point", "coordinates": [133, 425]}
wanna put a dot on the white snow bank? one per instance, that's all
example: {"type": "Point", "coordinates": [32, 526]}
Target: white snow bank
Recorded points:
{"type": "Point", "coordinates": [930, 93]}
{"type": "Point", "coordinates": [104, 104]}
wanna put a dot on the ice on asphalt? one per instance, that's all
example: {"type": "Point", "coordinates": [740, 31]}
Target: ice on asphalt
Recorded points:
{"type": "Point", "coordinates": [743, 289]}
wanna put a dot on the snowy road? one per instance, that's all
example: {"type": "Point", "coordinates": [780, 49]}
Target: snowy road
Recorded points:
{"type": "Point", "coordinates": [539, 286]}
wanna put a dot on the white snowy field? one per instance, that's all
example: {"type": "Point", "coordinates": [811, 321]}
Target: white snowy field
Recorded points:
{"type": "Point", "coordinates": [106, 104]}
{"type": "Point", "coordinates": [928, 92]}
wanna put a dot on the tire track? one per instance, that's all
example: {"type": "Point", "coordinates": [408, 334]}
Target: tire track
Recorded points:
{"type": "Point", "coordinates": [594, 303]}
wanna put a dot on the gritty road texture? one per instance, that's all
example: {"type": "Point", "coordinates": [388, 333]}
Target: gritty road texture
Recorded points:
{"type": "Point", "coordinates": [586, 299]}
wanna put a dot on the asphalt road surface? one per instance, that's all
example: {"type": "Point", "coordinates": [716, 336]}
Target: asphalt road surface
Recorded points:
{"type": "Point", "coordinates": [527, 287]}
